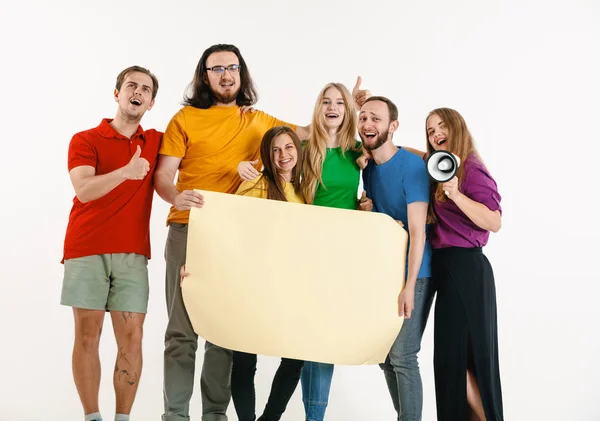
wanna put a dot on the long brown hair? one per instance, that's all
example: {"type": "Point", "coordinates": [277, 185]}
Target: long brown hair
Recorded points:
{"type": "Point", "coordinates": [459, 142]}
{"type": "Point", "coordinates": [275, 186]}
{"type": "Point", "coordinates": [316, 145]}
{"type": "Point", "coordinates": [198, 92]}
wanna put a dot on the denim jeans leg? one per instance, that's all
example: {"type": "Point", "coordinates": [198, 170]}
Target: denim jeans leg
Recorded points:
{"type": "Point", "coordinates": [403, 355]}
{"type": "Point", "coordinates": [392, 382]}
{"type": "Point", "coordinates": [316, 383]}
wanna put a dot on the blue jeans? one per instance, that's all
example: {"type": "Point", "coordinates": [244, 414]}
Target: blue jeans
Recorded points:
{"type": "Point", "coordinates": [401, 368]}
{"type": "Point", "coordinates": [316, 382]}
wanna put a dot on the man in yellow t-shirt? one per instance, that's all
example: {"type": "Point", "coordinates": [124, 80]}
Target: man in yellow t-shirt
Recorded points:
{"type": "Point", "coordinates": [205, 141]}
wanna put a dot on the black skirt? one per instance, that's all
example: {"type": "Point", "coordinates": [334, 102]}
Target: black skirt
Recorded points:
{"type": "Point", "coordinates": [465, 333]}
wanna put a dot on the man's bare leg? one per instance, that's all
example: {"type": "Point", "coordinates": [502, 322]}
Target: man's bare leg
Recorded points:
{"type": "Point", "coordinates": [128, 329]}
{"type": "Point", "coordinates": [86, 361]}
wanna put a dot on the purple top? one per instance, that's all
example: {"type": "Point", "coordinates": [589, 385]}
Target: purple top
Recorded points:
{"type": "Point", "coordinates": [454, 228]}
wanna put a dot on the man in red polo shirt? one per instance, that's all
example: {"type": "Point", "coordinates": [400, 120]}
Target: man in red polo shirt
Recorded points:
{"type": "Point", "coordinates": [107, 244]}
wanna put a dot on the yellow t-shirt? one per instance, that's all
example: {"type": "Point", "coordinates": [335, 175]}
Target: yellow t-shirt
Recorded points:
{"type": "Point", "coordinates": [211, 143]}
{"type": "Point", "coordinates": [258, 188]}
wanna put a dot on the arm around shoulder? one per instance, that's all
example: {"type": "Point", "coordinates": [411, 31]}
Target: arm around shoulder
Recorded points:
{"type": "Point", "coordinates": [303, 132]}
{"type": "Point", "coordinates": [417, 152]}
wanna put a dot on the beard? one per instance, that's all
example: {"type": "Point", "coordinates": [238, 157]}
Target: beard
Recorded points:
{"type": "Point", "coordinates": [380, 140]}
{"type": "Point", "coordinates": [225, 98]}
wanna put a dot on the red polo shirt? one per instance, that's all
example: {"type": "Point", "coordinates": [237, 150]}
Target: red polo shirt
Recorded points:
{"type": "Point", "coordinates": [118, 222]}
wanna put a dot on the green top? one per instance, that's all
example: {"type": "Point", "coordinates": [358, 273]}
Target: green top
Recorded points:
{"type": "Point", "coordinates": [341, 176]}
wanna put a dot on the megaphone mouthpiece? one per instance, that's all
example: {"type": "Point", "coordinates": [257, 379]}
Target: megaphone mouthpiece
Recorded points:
{"type": "Point", "coordinates": [445, 164]}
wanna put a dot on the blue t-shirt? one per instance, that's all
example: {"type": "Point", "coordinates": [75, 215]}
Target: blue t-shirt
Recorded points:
{"type": "Point", "coordinates": [393, 185]}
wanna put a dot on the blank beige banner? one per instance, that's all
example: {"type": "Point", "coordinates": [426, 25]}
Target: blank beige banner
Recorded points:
{"type": "Point", "coordinates": [297, 281]}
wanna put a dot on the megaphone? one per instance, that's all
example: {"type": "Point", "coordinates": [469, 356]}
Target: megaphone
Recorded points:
{"type": "Point", "coordinates": [442, 166]}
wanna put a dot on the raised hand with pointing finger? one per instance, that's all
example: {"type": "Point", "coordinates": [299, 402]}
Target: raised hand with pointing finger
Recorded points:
{"type": "Point", "coordinates": [137, 168]}
{"type": "Point", "coordinates": [360, 95]}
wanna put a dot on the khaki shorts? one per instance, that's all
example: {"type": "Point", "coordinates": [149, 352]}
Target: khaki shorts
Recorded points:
{"type": "Point", "coordinates": [111, 282]}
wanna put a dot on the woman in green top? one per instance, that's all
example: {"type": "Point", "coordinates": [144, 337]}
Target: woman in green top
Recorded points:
{"type": "Point", "coordinates": [330, 173]}
{"type": "Point", "coordinates": [330, 178]}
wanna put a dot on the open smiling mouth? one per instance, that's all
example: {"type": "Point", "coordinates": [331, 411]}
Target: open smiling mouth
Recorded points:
{"type": "Point", "coordinates": [135, 101]}
{"type": "Point", "coordinates": [370, 135]}
{"type": "Point", "coordinates": [441, 142]}
{"type": "Point", "coordinates": [332, 115]}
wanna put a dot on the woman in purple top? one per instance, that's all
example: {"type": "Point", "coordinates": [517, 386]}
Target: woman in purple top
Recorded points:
{"type": "Point", "coordinates": [463, 212]}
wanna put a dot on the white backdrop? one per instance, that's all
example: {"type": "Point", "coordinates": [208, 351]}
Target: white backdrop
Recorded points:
{"type": "Point", "coordinates": [523, 73]}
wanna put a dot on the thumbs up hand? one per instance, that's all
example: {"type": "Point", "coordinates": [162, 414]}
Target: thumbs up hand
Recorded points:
{"type": "Point", "coordinates": [364, 203]}
{"type": "Point", "coordinates": [137, 168]}
{"type": "Point", "coordinates": [360, 95]}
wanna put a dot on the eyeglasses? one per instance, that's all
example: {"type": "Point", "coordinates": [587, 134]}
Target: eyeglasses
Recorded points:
{"type": "Point", "coordinates": [233, 68]}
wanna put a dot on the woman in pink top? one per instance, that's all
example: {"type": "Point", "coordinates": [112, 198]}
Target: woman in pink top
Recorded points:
{"type": "Point", "coordinates": [463, 211]}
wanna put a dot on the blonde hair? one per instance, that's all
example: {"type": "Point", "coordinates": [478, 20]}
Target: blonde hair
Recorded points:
{"type": "Point", "coordinates": [316, 145]}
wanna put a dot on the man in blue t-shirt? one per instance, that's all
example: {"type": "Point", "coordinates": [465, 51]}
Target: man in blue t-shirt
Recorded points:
{"type": "Point", "coordinates": [397, 183]}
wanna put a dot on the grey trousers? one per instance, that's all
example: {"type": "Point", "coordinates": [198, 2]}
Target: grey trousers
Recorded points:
{"type": "Point", "coordinates": [181, 343]}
